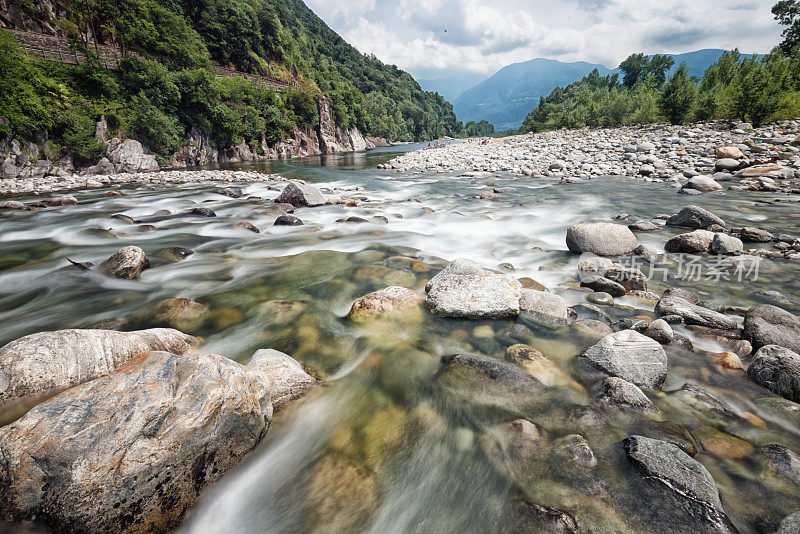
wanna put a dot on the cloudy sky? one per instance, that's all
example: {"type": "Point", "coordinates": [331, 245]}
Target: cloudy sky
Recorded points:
{"type": "Point", "coordinates": [431, 38]}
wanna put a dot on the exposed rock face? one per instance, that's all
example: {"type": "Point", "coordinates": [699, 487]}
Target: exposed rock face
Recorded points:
{"type": "Point", "coordinates": [129, 156]}
{"type": "Point", "coordinates": [489, 296]}
{"type": "Point", "coordinates": [288, 379]}
{"type": "Point", "coordinates": [301, 195]}
{"type": "Point", "coordinates": [697, 242]}
{"type": "Point", "coordinates": [131, 452]}
{"type": "Point", "coordinates": [694, 217]}
{"type": "Point", "coordinates": [777, 369]}
{"type": "Point", "coordinates": [127, 263]}
{"type": "Point", "coordinates": [392, 301]}
{"type": "Point", "coordinates": [694, 314]}
{"type": "Point", "coordinates": [603, 239]}
{"type": "Point", "coordinates": [543, 308]}
{"type": "Point", "coordinates": [770, 325]}
{"type": "Point", "coordinates": [631, 356]}
{"type": "Point", "coordinates": [39, 365]}
{"type": "Point", "coordinates": [685, 496]}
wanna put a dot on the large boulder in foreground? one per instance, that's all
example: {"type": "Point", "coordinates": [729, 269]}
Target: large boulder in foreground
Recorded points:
{"type": "Point", "coordinates": [777, 369]}
{"type": "Point", "coordinates": [769, 325]}
{"type": "Point", "coordinates": [131, 452]}
{"type": "Point", "coordinates": [694, 217]}
{"type": "Point", "coordinates": [301, 195]}
{"type": "Point", "coordinates": [603, 239]}
{"type": "Point", "coordinates": [694, 314]}
{"type": "Point", "coordinates": [488, 296]}
{"type": "Point", "coordinates": [682, 495]}
{"type": "Point", "coordinates": [631, 356]}
{"type": "Point", "coordinates": [392, 302]}
{"type": "Point", "coordinates": [127, 263]}
{"type": "Point", "coordinates": [37, 366]}
{"type": "Point", "coordinates": [288, 379]}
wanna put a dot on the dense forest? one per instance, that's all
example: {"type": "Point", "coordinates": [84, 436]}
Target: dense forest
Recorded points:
{"type": "Point", "coordinates": [165, 85]}
{"type": "Point", "coordinates": [746, 88]}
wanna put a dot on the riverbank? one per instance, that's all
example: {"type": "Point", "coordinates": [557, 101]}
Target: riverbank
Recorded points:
{"type": "Point", "coordinates": [655, 152]}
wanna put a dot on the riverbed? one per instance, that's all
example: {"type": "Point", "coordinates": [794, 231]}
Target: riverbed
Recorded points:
{"type": "Point", "coordinates": [383, 447]}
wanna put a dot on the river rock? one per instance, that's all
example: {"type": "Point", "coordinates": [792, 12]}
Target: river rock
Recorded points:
{"type": "Point", "coordinates": [621, 394]}
{"type": "Point", "coordinates": [488, 383]}
{"type": "Point", "coordinates": [603, 239]}
{"type": "Point", "coordinates": [694, 217]}
{"type": "Point", "coordinates": [697, 242]}
{"type": "Point", "coordinates": [769, 325]}
{"type": "Point", "coordinates": [755, 235]}
{"type": "Point", "coordinates": [288, 379]}
{"type": "Point", "coordinates": [528, 517]}
{"type": "Point", "coordinates": [231, 192]}
{"type": "Point", "coordinates": [489, 296]}
{"type": "Point", "coordinates": [301, 195]}
{"type": "Point", "coordinates": [729, 152]}
{"type": "Point", "coordinates": [703, 184]}
{"type": "Point", "coordinates": [777, 369]}
{"type": "Point", "coordinates": [131, 452]}
{"type": "Point", "coordinates": [14, 205]}
{"type": "Point", "coordinates": [726, 244]}
{"type": "Point", "coordinates": [684, 495]}
{"type": "Point", "coordinates": [660, 330]}
{"type": "Point", "coordinates": [790, 524]}
{"type": "Point", "coordinates": [458, 266]}
{"type": "Point", "coordinates": [288, 220]}
{"type": "Point", "coordinates": [601, 284]}
{"type": "Point", "coordinates": [127, 263]}
{"type": "Point", "coordinates": [726, 164]}
{"type": "Point", "coordinates": [543, 308]}
{"type": "Point", "coordinates": [181, 314]}
{"type": "Point", "coordinates": [629, 355]}
{"type": "Point", "coordinates": [39, 365]}
{"type": "Point", "coordinates": [694, 314]}
{"type": "Point", "coordinates": [394, 301]}
{"type": "Point", "coordinates": [64, 200]}
{"type": "Point", "coordinates": [203, 212]}
{"type": "Point", "coordinates": [783, 462]}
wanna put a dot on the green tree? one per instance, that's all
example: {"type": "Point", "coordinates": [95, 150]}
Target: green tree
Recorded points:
{"type": "Point", "coordinates": [634, 69]}
{"type": "Point", "coordinates": [787, 12]}
{"type": "Point", "coordinates": [678, 96]}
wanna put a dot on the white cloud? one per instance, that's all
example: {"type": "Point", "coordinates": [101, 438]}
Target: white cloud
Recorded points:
{"type": "Point", "coordinates": [430, 37]}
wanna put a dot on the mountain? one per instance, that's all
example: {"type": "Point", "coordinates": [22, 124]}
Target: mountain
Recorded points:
{"type": "Point", "coordinates": [507, 97]}
{"type": "Point", "coordinates": [451, 86]}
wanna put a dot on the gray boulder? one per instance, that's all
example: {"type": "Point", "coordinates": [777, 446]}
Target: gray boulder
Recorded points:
{"type": "Point", "coordinates": [726, 164]}
{"type": "Point", "coordinates": [621, 394]}
{"type": "Point", "coordinates": [40, 365]}
{"type": "Point", "coordinates": [526, 516]}
{"type": "Point", "coordinates": [301, 195]}
{"type": "Point", "coordinates": [288, 379]}
{"type": "Point", "coordinates": [127, 263]}
{"type": "Point", "coordinates": [694, 314]}
{"type": "Point", "coordinates": [704, 184]}
{"type": "Point", "coordinates": [777, 369]}
{"type": "Point", "coordinates": [682, 494]}
{"type": "Point", "coordinates": [490, 296]}
{"type": "Point", "coordinates": [629, 355]}
{"type": "Point", "coordinates": [543, 308]}
{"type": "Point", "coordinates": [697, 242]}
{"type": "Point", "coordinates": [129, 156]}
{"type": "Point", "coordinates": [694, 217]}
{"type": "Point", "coordinates": [131, 452]}
{"type": "Point", "coordinates": [395, 302]}
{"type": "Point", "coordinates": [790, 524]}
{"type": "Point", "coordinates": [726, 244]}
{"type": "Point", "coordinates": [769, 325]}
{"type": "Point", "coordinates": [603, 239]}
{"type": "Point", "coordinates": [457, 266]}
{"type": "Point", "coordinates": [783, 462]}
{"type": "Point", "coordinates": [755, 235]}
{"type": "Point", "coordinates": [660, 330]}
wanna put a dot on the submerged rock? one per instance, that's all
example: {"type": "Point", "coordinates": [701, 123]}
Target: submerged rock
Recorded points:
{"type": "Point", "coordinates": [618, 393]}
{"type": "Point", "coordinates": [527, 517]}
{"type": "Point", "coordinates": [684, 495]}
{"type": "Point", "coordinates": [782, 461]}
{"type": "Point", "coordinates": [777, 369]}
{"type": "Point", "coordinates": [128, 263]}
{"type": "Point", "coordinates": [603, 239]}
{"type": "Point", "coordinates": [629, 355]}
{"type": "Point", "coordinates": [489, 296]}
{"type": "Point", "coordinates": [131, 452]}
{"type": "Point", "coordinates": [181, 314]}
{"type": "Point", "coordinates": [37, 366]}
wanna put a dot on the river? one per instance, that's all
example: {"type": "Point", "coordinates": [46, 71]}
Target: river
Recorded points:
{"type": "Point", "coordinates": [383, 447]}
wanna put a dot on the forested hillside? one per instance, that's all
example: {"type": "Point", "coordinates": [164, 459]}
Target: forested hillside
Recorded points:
{"type": "Point", "coordinates": [166, 86]}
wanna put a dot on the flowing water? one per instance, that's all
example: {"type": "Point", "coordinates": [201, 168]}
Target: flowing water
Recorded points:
{"type": "Point", "coordinates": [387, 445]}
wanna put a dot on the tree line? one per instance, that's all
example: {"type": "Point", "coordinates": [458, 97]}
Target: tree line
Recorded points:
{"type": "Point", "coordinates": [746, 88]}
